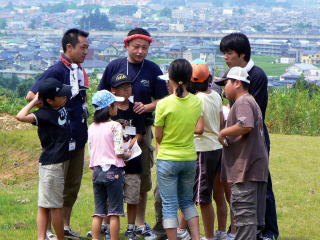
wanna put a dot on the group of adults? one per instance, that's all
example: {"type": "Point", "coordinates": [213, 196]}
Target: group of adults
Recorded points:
{"type": "Point", "coordinates": [147, 90]}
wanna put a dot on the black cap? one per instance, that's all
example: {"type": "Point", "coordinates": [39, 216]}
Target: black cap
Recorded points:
{"type": "Point", "coordinates": [119, 79]}
{"type": "Point", "coordinates": [51, 88]}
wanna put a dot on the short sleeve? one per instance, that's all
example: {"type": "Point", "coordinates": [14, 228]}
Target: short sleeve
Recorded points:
{"type": "Point", "coordinates": [159, 115]}
{"type": "Point", "coordinates": [244, 115]}
{"type": "Point", "coordinates": [41, 118]}
{"type": "Point", "coordinates": [117, 138]}
{"type": "Point", "coordinates": [106, 78]}
{"type": "Point", "coordinates": [159, 89]}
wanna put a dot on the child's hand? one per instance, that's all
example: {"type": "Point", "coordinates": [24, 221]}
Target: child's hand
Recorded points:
{"type": "Point", "coordinates": [222, 139]}
{"type": "Point", "coordinates": [127, 154]}
{"type": "Point", "coordinates": [36, 101]}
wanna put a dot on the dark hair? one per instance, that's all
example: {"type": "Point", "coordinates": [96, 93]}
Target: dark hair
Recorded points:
{"type": "Point", "coordinates": [101, 115]}
{"type": "Point", "coordinates": [72, 36]}
{"type": "Point", "coordinates": [180, 71]}
{"type": "Point", "coordinates": [237, 42]}
{"type": "Point", "coordinates": [138, 31]}
{"type": "Point", "coordinates": [244, 84]}
{"type": "Point", "coordinates": [195, 87]}
{"type": "Point", "coordinates": [44, 100]}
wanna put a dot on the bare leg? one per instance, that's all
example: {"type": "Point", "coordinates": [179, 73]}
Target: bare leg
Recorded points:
{"type": "Point", "coordinates": [132, 212]}
{"type": "Point", "coordinates": [182, 222]}
{"type": "Point", "coordinates": [171, 233]}
{"type": "Point", "coordinates": [207, 213]}
{"type": "Point", "coordinates": [219, 198]}
{"type": "Point", "coordinates": [114, 227]}
{"type": "Point", "coordinates": [96, 227]}
{"type": "Point", "coordinates": [67, 216]}
{"type": "Point", "coordinates": [193, 224]}
{"type": "Point", "coordinates": [57, 222]}
{"type": "Point", "coordinates": [141, 209]}
{"type": "Point", "coordinates": [227, 190]}
{"type": "Point", "coordinates": [42, 222]}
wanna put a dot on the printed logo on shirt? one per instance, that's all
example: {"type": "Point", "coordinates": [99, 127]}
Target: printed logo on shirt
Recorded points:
{"type": "Point", "coordinates": [62, 119]}
{"type": "Point", "coordinates": [145, 83]}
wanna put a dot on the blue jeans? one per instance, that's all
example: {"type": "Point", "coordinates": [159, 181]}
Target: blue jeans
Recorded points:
{"type": "Point", "coordinates": [175, 180]}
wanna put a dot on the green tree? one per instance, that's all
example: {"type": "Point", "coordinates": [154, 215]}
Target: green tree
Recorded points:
{"type": "Point", "coordinates": [165, 12]}
{"type": "Point", "coordinates": [96, 20]}
{"type": "Point", "coordinates": [3, 23]}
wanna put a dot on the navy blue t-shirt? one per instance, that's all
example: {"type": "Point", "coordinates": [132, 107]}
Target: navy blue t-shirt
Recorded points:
{"type": "Point", "coordinates": [146, 86]}
{"type": "Point", "coordinates": [54, 134]}
{"type": "Point", "coordinates": [130, 118]}
{"type": "Point", "coordinates": [74, 106]}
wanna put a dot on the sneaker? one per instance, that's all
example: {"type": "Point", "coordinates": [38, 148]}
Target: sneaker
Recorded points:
{"type": "Point", "coordinates": [69, 234]}
{"type": "Point", "coordinates": [144, 230]}
{"type": "Point", "coordinates": [231, 236]}
{"type": "Point", "coordinates": [107, 234]}
{"type": "Point", "coordinates": [268, 238]}
{"type": "Point", "coordinates": [183, 234]}
{"type": "Point", "coordinates": [130, 234]}
{"type": "Point", "coordinates": [218, 235]}
{"type": "Point", "coordinates": [50, 235]}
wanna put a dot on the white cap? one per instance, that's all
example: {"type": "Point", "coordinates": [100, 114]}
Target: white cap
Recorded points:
{"type": "Point", "coordinates": [236, 73]}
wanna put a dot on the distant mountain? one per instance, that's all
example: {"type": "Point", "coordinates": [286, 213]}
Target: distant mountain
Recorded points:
{"type": "Point", "coordinates": [282, 3]}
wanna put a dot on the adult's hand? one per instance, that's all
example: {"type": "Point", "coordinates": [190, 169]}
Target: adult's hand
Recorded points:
{"type": "Point", "coordinates": [139, 108]}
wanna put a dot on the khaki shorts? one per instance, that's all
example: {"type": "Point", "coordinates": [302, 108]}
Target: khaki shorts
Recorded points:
{"type": "Point", "coordinates": [132, 188]}
{"type": "Point", "coordinates": [51, 185]}
{"type": "Point", "coordinates": [147, 160]}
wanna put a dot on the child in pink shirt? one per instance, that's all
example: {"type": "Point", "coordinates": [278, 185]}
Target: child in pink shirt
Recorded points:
{"type": "Point", "coordinates": [106, 159]}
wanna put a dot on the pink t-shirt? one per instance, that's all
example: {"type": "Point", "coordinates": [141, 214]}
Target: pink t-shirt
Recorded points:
{"type": "Point", "coordinates": [105, 141]}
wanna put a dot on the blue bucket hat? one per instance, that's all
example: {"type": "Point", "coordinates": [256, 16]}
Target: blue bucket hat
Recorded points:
{"type": "Point", "coordinates": [104, 98]}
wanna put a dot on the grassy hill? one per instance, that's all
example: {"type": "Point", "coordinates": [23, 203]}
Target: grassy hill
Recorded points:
{"type": "Point", "coordinates": [294, 166]}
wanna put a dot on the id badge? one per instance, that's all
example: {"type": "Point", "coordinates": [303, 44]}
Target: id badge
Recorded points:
{"type": "Point", "coordinates": [129, 130]}
{"type": "Point", "coordinates": [72, 145]}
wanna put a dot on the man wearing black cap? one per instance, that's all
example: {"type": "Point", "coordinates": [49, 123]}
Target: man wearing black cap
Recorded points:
{"type": "Point", "coordinates": [69, 71]}
{"type": "Point", "coordinates": [54, 133]}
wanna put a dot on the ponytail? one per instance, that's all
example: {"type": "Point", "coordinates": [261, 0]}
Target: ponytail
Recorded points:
{"type": "Point", "coordinates": [180, 71]}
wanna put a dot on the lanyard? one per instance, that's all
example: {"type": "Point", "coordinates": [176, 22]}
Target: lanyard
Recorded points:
{"type": "Point", "coordinates": [137, 72]}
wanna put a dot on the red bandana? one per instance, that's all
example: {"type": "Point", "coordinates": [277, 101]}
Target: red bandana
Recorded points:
{"type": "Point", "coordinates": [135, 36]}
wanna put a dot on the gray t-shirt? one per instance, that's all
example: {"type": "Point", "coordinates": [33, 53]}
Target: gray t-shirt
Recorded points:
{"type": "Point", "coordinates": [246, 157]}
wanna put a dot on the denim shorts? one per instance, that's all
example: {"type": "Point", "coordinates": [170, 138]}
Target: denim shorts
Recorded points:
{"type": "Point", "coordinates": [175, 181]}
{"type": "Point", "coordinates": [108, 191]}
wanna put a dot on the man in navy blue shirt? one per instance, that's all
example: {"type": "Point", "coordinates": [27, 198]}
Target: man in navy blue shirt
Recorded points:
{"type": "Point", "coordinates": [147, 90]}
{"type": "Point", "coordinates": [237, 51]}
{"type": "Point", "coordinates": [69, 71]}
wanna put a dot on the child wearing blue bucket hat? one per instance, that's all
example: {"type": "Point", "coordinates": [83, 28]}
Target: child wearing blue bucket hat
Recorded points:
{"type": "Point", "coordinates": [105, 138]}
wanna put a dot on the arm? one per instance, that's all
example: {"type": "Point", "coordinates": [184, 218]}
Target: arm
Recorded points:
{"type": "Point", "coordinates": [222, 121]}
{"type": "Point", "coordinates": [24, 115]}
{"type": "Point", "coordinates": [158, 134]}
{"type": "Point", "coordinates": [234, 130]}
{"type": "Point", "coordinates": [138, 138]}
{"type": "Point", "coordinates": [199, 126]}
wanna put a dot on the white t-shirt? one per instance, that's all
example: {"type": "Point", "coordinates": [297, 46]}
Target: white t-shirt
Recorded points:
{"type": "Point", "coordinates": [211, 108]}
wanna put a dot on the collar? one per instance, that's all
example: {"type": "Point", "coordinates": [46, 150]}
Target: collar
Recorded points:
{"type": "Point", "coordinates": [249, 65]}
{"type": "Point", "coordinates": [66, 61]}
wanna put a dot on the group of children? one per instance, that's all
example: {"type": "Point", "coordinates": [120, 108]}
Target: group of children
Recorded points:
{"type": "Point", "coordinates": [194, 145]}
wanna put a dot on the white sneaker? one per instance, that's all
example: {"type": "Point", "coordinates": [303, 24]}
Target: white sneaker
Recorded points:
{"type": "Point", "coordinates": [50, 235]}
{"type": "Point", "coordinates": [183, 234]}
{"type": "Point", "coordinates": [231, 236]}
{"type": "Point", "coordinates": [218, 235]}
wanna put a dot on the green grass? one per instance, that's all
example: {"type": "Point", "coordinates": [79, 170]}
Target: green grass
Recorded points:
{"type": "Point", "coordinates": [294, 167]}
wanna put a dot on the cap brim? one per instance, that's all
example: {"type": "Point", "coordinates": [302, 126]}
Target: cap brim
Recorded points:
{"type": "Point", "coordinates": [65, 91]}
{"type": "Point", "coordinates": [119, 99]}
{"type": "Point", "coordinates": [220, 82]}
{"type": "Point", "coordinates": [164, 77]}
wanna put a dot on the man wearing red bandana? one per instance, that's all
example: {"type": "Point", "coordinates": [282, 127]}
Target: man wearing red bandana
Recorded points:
{"type": "Point", "coordinates": [69, 71]}
{"type": "Point", "coordinates": [147, 89]}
